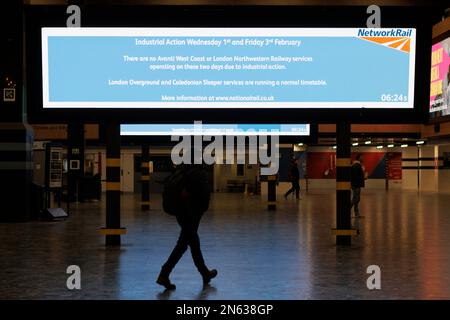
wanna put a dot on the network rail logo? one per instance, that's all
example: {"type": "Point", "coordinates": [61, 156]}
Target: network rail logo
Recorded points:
{"type": "Point", "coordinates": [398, 39]}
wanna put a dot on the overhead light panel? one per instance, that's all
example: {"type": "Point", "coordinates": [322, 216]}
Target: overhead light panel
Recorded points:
{"type": "Point", "coordinates": [368, 142]}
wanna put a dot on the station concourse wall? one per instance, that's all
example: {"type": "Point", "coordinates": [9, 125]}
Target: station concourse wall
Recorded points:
{"type": "Point", "coordinates": [430, 177]}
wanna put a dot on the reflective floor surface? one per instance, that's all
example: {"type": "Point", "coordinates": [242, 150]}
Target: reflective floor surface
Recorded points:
{"type": "Point", "coordinates": [260, 254]}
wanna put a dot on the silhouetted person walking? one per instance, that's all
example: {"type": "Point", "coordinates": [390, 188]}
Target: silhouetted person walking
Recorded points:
{"type": "Point", "coordinates": [194, 202]}
{"type": "Point", "coordinates": [357, 182]}
{"type": "Point", "coordinates": [294, 177]}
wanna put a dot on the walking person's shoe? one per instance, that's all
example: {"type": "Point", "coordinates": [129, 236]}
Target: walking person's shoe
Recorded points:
{"type": "Point", "coordinates": [165, 282]}
{"type": "Point", "coordinates": [357, 215]}
{"type": "Point", "coordinates": [210, 275]}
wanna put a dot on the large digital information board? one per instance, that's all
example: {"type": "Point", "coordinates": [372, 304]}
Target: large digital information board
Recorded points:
{"type": "Point", "coordinates": [214, 129]}
{"type": "Point", "coordinates": [224, 68]}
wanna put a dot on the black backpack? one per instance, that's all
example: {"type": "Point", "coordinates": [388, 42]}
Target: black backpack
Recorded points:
{"type": "Point", "coordinates": [174, 185]}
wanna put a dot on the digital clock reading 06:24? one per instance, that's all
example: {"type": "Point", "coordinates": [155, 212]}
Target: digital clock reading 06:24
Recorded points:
{"type": "Point", "coordinates": [394, 98]}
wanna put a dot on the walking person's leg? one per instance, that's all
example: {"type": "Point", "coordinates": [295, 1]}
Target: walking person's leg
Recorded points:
{"type": "Point", "coordinates": [297, 189]}
{"type": "Point", "coordinates": [196, 252]}
{"type": "Point", "coordinates": [177, 252]}
{"type": "Point", "coordinates": [355, 200]}
{"type": "Point", "coordinates": [292, 189]}
{"type": "Point", "coordinates": [194, 244]}
{"type": "Point", "coordinates": [358, 199]}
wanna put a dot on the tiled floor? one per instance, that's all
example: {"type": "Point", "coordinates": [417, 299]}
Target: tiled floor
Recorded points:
{"type": "Point", "coordinates": [287, 254]}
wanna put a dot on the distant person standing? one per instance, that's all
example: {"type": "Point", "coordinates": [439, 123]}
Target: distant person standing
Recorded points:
{"type": "Point", "coordinates": [294, 177]}
{"type": "Point", "coordinates": [191, 203]}
{"type": "Point", "coordinates": [357, 182]}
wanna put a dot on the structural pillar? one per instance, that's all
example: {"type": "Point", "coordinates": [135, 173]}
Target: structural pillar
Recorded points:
{"type": "Point", "coordinates": [271, 185]}
{"type": "Point", "coordinates": [113, 230]}
{"type": "Point", "coordinates": [16, 136]}
{"type": "Point", "coordinates": [145, 177]}
{"type": "Point", "coordinates": [343, 229]}
{"type": "Point", "coordinates": [75, 157]}
{"type": "Point", "coordinates": [272, 192]}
